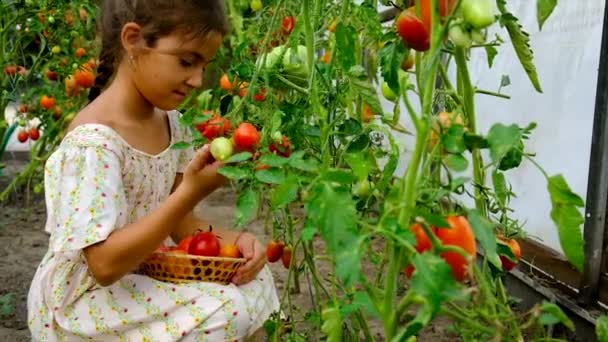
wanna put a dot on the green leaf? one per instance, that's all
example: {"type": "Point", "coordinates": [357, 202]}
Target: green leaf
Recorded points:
{"type": "Point", "coordinates": [359, 163]}
{"type": "Point", "coordinates": [359, 144]}
{"type": "Point", "coordinates": [271, 176]}
{"type": "Point", "coordinates": [362, 300]}
{"type": "Point", "coordinates": [368, 94]}
{"type": "Point", "coordinates": [297, 162]}
{"type": "Point", "coordinates": [456, 162]}
{"type": "Point", "coordinates": [502, 139]}
{"type": "Point", "coordinates": [246, 206]}
{"type": "Point", "coordinates": [332, 324]}
{"type": "Point", "coordinates": [551, 314]}
{"type": "Point", "coordinates": [333, 212]}
{"type": "Point", "coordinates": [513, 157]}
{"type": "Point", "coordinates": [423, 317]}
{"type": "Point", "coordinates": [234, 172]}
{"type": "Point", "coordinates": [274, 160]}
{"type": "Point", "coordinates": [390, 167]}
{"type": "Point", "coordinates": [340, 176]}
{"type": "Point", "coordinates": [601, 328]}
{"type": "Point", "coordinates": [566, 215]}
{"type": "Point", "coordinates": [345, 45]}
{"type": "Point", "coordinates": [7, 305]}
{"type": "Point", "coordinates": [484, 232]}
{"type": "Point", "coordinates": [500, 187]}
{"type": "Point", "coordinates": [237, 158]}
{"type": "Point", "coordinates": [491, 52]}
{"type": "Point", "coordinates": [453, 140]}
{"type": "Point", "coordinates": [521, 43]}
{"type": "Point", "coordinates": [309, 231]}
{"type": "Point", "coordinates": [285, 193]}
{"type": "Point", "coordinates": [180, 145]}
{"type": "Point", "coordinates": [544, 8]}
{"type": "Point", "coordinates": [473, 141]}
{"type": "Point", "coordinates": [391, 57]}
{"type": "Point", "coordinates": [433, 280]}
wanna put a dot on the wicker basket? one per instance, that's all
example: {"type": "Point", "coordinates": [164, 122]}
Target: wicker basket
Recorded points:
{"type": "Point", "coordinates": [184, 268]}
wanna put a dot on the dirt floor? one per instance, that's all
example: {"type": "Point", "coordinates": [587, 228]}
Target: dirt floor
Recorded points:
{"type": "Point", "coordinates": [23, 243]}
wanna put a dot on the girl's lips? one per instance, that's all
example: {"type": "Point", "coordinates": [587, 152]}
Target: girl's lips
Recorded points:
{"type": "Point", "coordinates": [179, 94]}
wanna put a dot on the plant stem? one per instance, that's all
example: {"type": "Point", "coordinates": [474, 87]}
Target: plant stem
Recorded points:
{"type": "Point", "coordinates": [491, 93]}
{"type": "Point", "coordinates": [467, 91]}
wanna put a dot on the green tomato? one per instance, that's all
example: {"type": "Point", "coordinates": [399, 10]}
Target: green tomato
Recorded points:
{"type": "Point", "coordinates": [388, 93]}
{"type": "Point", "coordinates": [273, 57]}
{"type": "Point", "coordinates": [459, 36]}
{"type": "Point", "coordinates": [277, 137]}
{"type": "Point", "coordinates": [362, 189]}
{"type": "Point", "coordinates": [478, 13]}
{"type": "Point", "coordinates": [56, 49]}
{"type": "Point", "coordinates": [51, 20]}
{"type": "Point", "coordinates": [221, 148]}
{"type": "Point", "coordinates": [478, 36]}
{"type": "Point", "coordinates": [256, 5]}
{"type": "Point", "coordinates": [295, 60]}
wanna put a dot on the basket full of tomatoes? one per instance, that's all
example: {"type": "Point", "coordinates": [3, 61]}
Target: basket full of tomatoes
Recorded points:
{"type": "Point", "coordinates": [196, 258]}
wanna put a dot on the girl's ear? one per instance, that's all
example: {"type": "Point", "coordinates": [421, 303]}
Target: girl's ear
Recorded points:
{"type": "Point", "coordinates": [131, 38]}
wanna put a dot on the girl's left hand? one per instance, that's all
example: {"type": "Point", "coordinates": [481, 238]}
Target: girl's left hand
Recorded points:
{"type": "Point", "coordinates": [255, 254]}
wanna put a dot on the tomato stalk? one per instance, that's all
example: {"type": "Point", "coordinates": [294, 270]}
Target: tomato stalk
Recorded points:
{"type": "Point", "coordinates": [467, 91]}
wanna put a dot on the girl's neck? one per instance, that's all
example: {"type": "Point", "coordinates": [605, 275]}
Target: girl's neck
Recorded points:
{"type": "Point", "coordinates": [127, 99]}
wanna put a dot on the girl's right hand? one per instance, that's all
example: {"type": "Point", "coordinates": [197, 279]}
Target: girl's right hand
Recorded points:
{"type": "Point", "coordinates": [200, 176]}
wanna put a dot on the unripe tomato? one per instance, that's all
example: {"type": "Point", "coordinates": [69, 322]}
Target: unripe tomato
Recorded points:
{"type": "Point", "coordinates": [221, 148]}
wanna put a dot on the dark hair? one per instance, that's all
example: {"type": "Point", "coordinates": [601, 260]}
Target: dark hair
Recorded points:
{"type": "Point", "coordinates": [157, 18]}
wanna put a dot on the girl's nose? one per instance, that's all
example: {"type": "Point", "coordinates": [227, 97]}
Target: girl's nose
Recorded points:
{"type": "Point", "coordinates": [196, 80]}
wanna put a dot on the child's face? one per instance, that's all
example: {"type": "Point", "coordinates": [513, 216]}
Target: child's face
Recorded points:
{"type": "Point", "coordinates": [167, 72]}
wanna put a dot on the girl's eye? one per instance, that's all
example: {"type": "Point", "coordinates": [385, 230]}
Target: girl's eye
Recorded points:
{"type": "Point", "coordinates": [185, 63]}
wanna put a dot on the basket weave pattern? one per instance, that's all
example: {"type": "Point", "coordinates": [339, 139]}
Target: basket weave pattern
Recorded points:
{"type": "Point", "coordinates": [184, 268]}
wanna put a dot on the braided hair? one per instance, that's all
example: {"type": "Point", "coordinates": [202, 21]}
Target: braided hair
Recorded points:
{"type": "Point", "coordinates": [158, 18]}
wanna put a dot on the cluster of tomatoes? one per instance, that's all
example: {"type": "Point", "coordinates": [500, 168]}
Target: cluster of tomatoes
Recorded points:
{"type": "Point", "coordinates": [473, 16]}
{"type": "Point", "coordinates": [459, 234]}
{"type": "Point", "coordinates": [276, 250]}
{"type": "Point", "coordinates": [203, 244]}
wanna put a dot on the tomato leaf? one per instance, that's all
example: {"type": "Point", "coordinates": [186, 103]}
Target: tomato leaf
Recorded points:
{"type": "Point", "coordinates": [234, 172]}
{"type": "Point", "coordinates": [456, 162]}
{"type": "Point", "coordinates": [500, 187]}
{"type": "Point", "coordinates": [362, 300]}
{"type": "Point", "coordinates": [433, 280]}
{"type": "Point", "coordinates": [271, 176]}
{"type": "Point", "coordinates": [601, 328]}
{"type": "Point", "coordinates": [332, 323]}
{"type": "Point", "coordinates": [491, 52]}
{"type": "Point", "coordinates": [502, 139]}
{"type": "Point", "coordinates": [272, 159]}
{"type": "Point", "coordinates": [544, 8]}
{"type": "Point", "coordinates": [521, 43]}
{"type": "Point", "coordinates": [359, 163]}
{"type": "Point", "coordinates": [473, 141]}
{"type": "Point", "coordinates": [484, 232]}
{"type": "Point", "coordinates": [237, 158]}
{"type": "Point", "coordinates": [297, 162]}
{"type": "Point", "coordinates": [285, 193]}
{"type": "Point", "coordinates": [333, 212]}
{"type": "Point", "coordinates": [552, 314]}
{"type": "Point", "coordinates": [453, 140]}
{"type": "Point", "coordinates": [345, 45]}
{"type": "Point", "coordinates": [368, 94]}
{"type": "Point", "coordinates": [423, 317]}
{"type": "Point", "coordinates": [180, 145]}
{"type": "Point", "coordinates": [246, 206]}
{"type": "Point", "coordinates": [391, 57]}
{"type": "Point", "coordinates": [309, 231]}
{"type": "Point", "coordinates": [389, 168]}
{"type": "Point", "coordinates": [566, 215]}
{"type": "Point", "coordinates": [340, 176]}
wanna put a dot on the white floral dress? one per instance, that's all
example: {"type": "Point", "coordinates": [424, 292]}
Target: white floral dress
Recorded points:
{"type": "Point", "coordinates": [95, 183]}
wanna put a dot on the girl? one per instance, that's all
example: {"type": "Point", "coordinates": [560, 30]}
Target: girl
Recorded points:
{"type": "Point", "coordinates": [114, 195]}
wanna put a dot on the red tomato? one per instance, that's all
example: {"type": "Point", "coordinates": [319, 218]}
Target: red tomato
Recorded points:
{"type": "Point", "coordinates": [243, 89]}
{"type": "Point", "coordinates": [23, 108]}
{"type": "Point", "coordinates": [184, 244]}
{"type": "Point", "coordinates": [34, 133]}
{"type": "Point", "coordinates": [246, 136]}
{"type": "Point", "coordinates": [283, 149]}
{"type": "Point", "coordinates": [22, 136]}
{"type": "Point", "coordinates": [226, 84]}
{"type": "Point", "coordinates": [10, 70]}
{"type": "Point", "coordinates": [274, 250]}
{"type": "Point", "coordinates": [204, 244]}
{"type": "Point", "coordinates": [413, 31]}
{"type": "Point", "coordinates": [84, 78]}
{"type": "Point", "coordinates": [507, 264]}
{"type": "Point", "coordinates": [408, 62]}
{"type": "Point", "coordinates": [445, 9]}
{"type": "Point", "coordinates": [260, 95]}
{"type": "Point", "coordinates": [47, 102]}
{"type": "Point", "coordinates": [366, 114]}
{"type": "Point", "coordinates": [423, 243]}
{"type": "Point", "coordinates": [289, 22]}
{"type": "Point", "coordinates": [80, 52]}
{"type": "Point", "coordinates": [286, 257]}
{"type": "Point", "coordinates": [51, 75]}
{"type": "Point", "coordinates": [217, 126]}
{"type": "Point", "coordinates": [461, 235]}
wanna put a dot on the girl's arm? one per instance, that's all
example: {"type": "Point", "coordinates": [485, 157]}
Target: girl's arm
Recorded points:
{"type": "Point", "coordinates": [128, 247]}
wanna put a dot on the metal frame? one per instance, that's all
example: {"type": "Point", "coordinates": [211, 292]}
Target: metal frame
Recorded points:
{"type": "Point", "coordinates": [597, 187]}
